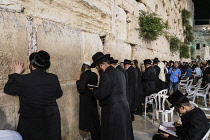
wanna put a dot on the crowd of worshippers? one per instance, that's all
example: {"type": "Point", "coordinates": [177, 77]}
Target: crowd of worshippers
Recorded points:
{"type": "Point", "coordinates": [121, 91]}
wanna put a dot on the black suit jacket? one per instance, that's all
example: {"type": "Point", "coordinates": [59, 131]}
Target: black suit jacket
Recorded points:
{"type": "Point", "coordinates": [148, 78]}
{"type": "Point", "coordinates": [37, 92]}
{"type": "Point", "coordinates": [39, 114]}
{"type": "Point", "coordinates": [132, 85]}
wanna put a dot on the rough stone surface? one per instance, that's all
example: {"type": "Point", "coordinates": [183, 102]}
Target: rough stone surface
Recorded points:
{"type": "Point", "coordinates": [72, 31]}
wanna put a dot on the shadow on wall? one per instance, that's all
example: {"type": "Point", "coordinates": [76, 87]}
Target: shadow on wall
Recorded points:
{"type": "Point", "coordinates": [3, 122]}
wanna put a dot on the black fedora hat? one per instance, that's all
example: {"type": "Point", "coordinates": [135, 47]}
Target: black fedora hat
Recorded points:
{"type": "Point", "coordinates": [97, 57]}
{"type": "Point", "coordinates": [126, 61]}
{"type": "Point", "coordinates": [177, 97]}
{"type": "Point", "coordinates": [40, 60]}
{"type": "Point", "coordinates": [112, 60]}
{"type": "Point", "coordinates": [135, 61]}
{"type": "Point", "coordinates": [156, 59]}
{"type": "Point", "coordinates": [147, 61]}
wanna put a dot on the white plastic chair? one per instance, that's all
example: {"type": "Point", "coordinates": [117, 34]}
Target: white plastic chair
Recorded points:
{"type": "Point", "coordinates": [202, 93]}
{"type": "Point", "coordinates": [159, 105]}
{"type": "Point", "coordinates": [186, 88]}
{"type": "Point", "coordinates": [165, 116]}
{"type": "Point", "coordinates": [183, 83]}
{"type": "Point", "coordinates": [149, 99]}
{"type": "Point", "coordinates": [206, 135]}
{"type": "Point", "coordinates": [198, 84]}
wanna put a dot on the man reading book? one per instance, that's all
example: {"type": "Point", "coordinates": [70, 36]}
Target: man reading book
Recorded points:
{"type": "Point", "coordinates": [194, 122]}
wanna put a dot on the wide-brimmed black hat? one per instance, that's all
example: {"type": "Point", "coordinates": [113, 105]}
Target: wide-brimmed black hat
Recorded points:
{"type": "Point", "coordinates": [40, 60]}
{"type": "Point", "coordinates": [126, 61]}
{"type": "Point", "coordinates": [147, 61]}
{"type": "Point", "coordinates": [97, 57]}
{"type": "Point", "coordinates": [135, 61]}
{"type": "Point", "coordinates": [112, 60]}
{"type": "Point", "coordinates": [156, 59]}
{"type": "Point", "coordinates": [171, 61]}
{"type": "Point", "coordinates": [177, 97]}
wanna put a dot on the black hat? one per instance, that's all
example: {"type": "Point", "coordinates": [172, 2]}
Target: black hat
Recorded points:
{"type": "Point", "coordinates": [156, 59]}
{"type": "Point", "coordinates": [171, 61]}
{"type": "Point", "coordinates": [112, 60]}
{"type": "Point", "coordinates": [32, 55]}
{"type": "Point", "coordinates": [208, 61]}
{"type": "Point", "coordinates": [97, 57]}
{"type": "Point", "coordinates": [177, 97]}
{"type": "Point", "coordinates": [147, 61]}
{"type": "Point", "coordinates": [126, 61]}
{"type": "Point", "coordinates": [41, 60]}
{"type": "Point", "coordinates": [164, 61]}
{"type": "Point", "coordinates": [135, 61]}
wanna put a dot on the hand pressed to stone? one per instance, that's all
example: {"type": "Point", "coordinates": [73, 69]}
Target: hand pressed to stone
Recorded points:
{"type": "Point", "coordinates": [19, 67]}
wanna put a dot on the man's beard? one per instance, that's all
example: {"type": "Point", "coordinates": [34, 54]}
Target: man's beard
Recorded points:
{"type": "Point", "coordinates": [100, 71]}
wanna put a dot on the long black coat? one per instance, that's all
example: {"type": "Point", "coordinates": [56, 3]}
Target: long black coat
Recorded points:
{"type": "Point", "coordinates": [132, 85]}
{"type": "Point", "coordinates": [148, 78]}
{"type": "Point", "coordinates": [115, 114]}
{"type": "Point", "coordinates": [157, 80]}
{"type": "Point", "coordinates": [206, 78]}
{"type": "Point", "coordinates": [126, 78]}
{"type": "Point", "coordinates": [195, 126]}
{"type": "Point", "coordinates": [88, 112]}
{"type": "Point", "coordinates": [39, 114]}
{"type": "Point", "coordinates": [140, 96]}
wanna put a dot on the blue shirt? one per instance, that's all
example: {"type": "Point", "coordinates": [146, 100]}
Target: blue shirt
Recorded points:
{"type": "Point", "coordinates": [173, 77]}
{"type": "Point", "coordinates": [188, 71]}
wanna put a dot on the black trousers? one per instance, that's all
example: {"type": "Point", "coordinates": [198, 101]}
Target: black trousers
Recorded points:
{"type": "Point", "coordinates": [95, 132]}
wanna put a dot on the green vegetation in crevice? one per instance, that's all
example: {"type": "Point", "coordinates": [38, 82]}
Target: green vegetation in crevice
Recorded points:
{"type": "Point", "coordinates": [174, 44]}
{"type": "Point", "coordinates": [151, 26]}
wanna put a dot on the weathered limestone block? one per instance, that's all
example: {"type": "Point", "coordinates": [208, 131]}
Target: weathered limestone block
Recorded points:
{"type": "Point", "coordinates": [91, 44]}
{"type": "Point", "coordinates": [64, 45]}
{"type": "Point", "coordinates": [120, 22]}
{"type": "Point", "coordinates": [118, 49]}
{"type": "Point", "coordinates": [132, 26]}
{"type": "Point", "coordinates": [69, 109]}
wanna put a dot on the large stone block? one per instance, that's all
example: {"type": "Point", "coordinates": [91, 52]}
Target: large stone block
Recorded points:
{"type": "Point", "coordinates": [118, 49]}
{"type": "Point", "coordinates": [64, 44]}
{"type": "Point", "coordinates": [91, 44]}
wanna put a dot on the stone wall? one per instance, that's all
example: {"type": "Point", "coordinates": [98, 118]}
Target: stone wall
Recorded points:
{"type": "Point", "coordinates": [72, 31]}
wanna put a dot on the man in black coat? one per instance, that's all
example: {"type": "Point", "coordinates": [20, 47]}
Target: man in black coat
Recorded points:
{"type": "Point", "coordinates": [206, 74]}
{"type": "Point", "coordinates": [157, 80]}
{"type": "Point", "coordinates": [113, 63]}
{"type": "Point", "coordinates": [88, 111]}
{"type": "Point", "coordinates": [39, 114]}
{"type": "Point", "coordinates": [116, 122]}
{"type": "Point", "coordinates": [194, 122]}
{"type": "Point", "coordinates": [132, 84]}
{"type": "Point", "coordinates": [148, 78]}
{"type": "Point", "coordinates": [140, 96]}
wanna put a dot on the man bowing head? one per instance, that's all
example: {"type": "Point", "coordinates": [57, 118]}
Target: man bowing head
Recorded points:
{"type": "Point", "coordinates": [115, 115]}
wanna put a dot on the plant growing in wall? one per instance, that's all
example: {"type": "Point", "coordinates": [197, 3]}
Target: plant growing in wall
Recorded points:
{"type": "Point", "coordinates": [184, 50]}
{"type": "Point", "coordinates": [174, 44]}
{"type": "Point", "coordinates": [151, 26]}
{"type": "Point", "coordinates": [188, 32]}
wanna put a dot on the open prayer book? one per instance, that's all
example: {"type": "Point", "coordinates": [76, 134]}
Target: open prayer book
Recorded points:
{"type": "Point", "coordinates": [163, 129]}
{"type": "Point", "coordinates": [92, 86]}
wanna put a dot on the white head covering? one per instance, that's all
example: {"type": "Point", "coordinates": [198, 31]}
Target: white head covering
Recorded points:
{"type": "Point", "coordinates": [87, 63]}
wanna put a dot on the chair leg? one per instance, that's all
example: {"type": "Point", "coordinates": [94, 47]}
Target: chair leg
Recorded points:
{"type": "Point", "coordinates": [205, 101]}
